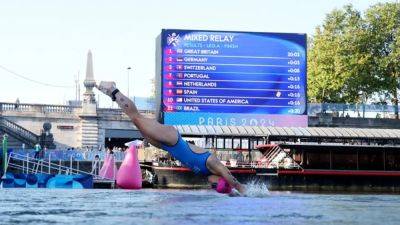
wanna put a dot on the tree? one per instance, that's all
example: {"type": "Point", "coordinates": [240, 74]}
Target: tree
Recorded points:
{"type": "Point", "coordinates": [338, 65]}
{"type": "Point", "coordinates": [382, 23]}
{"type": "Point", "coordinates": [352, 54]}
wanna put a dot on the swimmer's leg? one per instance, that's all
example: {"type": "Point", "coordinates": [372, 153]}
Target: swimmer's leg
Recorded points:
{"type": "Point", "coordinates": [218, 169]}
{"type": "Point", "coordinates": [151, 129]}
{"type": "Point", "coordinates": [155, 132]}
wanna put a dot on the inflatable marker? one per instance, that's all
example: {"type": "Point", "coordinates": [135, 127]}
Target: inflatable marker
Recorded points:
{"type": "Point", "coordinates": [129, 175]}
{"type": "Point", "coordinates": [109, 169]}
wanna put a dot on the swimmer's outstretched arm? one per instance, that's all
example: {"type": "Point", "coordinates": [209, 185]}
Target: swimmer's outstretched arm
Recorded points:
{"type": "Point", "coordinates": [151, 129]}
{"type": "Point", "coordinates": [217, 168]}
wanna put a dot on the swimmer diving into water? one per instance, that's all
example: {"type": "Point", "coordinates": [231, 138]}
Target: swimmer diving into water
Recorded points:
{"type": "Point", "coordinates": [199, 160]}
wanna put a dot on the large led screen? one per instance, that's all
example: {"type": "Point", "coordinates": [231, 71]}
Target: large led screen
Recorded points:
{"type": "Point", "coordinates": [232, 78]}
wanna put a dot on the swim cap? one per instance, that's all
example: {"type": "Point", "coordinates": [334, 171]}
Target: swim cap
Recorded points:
{"type": "Point", "coordinates": [223, 186]}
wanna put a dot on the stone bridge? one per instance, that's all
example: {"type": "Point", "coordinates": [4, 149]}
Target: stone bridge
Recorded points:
{"type": "Point", "coordinates": [72, 126]}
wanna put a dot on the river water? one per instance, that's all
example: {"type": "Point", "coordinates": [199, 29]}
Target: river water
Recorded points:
{"type": "Point", "coordinates": [203, 207]}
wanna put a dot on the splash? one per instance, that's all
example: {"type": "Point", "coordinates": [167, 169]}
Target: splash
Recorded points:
{"type": "Point", "coordinates": [257, 189]}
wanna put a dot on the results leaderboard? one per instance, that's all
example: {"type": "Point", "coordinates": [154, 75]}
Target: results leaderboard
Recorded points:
{"type": "Point", "coordinates": [233, 72]}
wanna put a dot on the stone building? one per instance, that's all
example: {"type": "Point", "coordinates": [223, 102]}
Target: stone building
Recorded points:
{"type": "Point", "coordinates": [75, 125]}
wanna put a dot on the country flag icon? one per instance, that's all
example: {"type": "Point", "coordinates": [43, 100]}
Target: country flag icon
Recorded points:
{"type": "Point", "coordinates": [179, 99]}
{"type": "Point", "coordinates": [179, 75]}
{"type": "Point", "coordinates": [178, 107]}
{"type": "Point", "coordinates": [169, 76]}
{"type": "Point", "coordinates": [179, 91]}
{"type": "Point", "coordinates": [179, 67]}
{"type": "Point", "coordinates": [179, 83]}
{"type": "Point", "coordinates": [169, 67]}
{"type": "Point", "coordinates": [179, 59]}
{"type": "Point", "coordinates": [169, 51]}
{"type": "Point", "coordinates": [179, 51]}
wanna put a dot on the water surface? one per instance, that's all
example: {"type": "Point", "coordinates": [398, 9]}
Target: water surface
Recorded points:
{"type": "Point", "coordinates": [203, 207]}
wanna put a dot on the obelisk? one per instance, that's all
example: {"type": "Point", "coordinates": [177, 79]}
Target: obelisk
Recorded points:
{"type": "Point", "coordinates": [89, 118]}
{"type": "Point", "coordinates": [88, 96]}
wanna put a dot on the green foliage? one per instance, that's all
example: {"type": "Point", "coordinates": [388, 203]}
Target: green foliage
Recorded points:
{"type": "Point", "coordinates": [353, 56]}
{"type": "Point", "coordinates": [383, 26]}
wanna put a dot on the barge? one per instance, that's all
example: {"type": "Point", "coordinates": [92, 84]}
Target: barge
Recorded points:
{"type": "Point", "coordinates": [296, 159]}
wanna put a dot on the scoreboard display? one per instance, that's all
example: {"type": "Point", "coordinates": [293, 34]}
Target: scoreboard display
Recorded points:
{"type": "Point", "coordinates": [232, 78]}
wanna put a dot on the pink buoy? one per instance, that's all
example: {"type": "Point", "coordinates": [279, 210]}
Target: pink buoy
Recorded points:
{"type": "Point", "coordinates": [109, 169]}
{"type": "Point", "coordinates": [223, 186]}
{"type": "Point", "coordinates": [129, 175]}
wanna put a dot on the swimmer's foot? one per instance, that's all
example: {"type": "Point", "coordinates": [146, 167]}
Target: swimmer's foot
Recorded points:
{"type": "Point", "coordinates": [236, 193]}
{"type": "Point", "coordinates": [242, 190]}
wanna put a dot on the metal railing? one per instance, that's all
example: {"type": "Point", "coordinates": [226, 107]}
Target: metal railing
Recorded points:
{"type": "Point", "coordinates": [28, 164]}
{"type": "Point", "coordinates": [75, 155]}
{"type": "Point", "coordinates": [352, 110]}
{"type": "Point", "coordinates": [274, 157]}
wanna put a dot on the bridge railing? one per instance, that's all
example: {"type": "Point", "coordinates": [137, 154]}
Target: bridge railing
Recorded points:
{"type": "Point", "coordinates": [119, 112]}
{"type": "Point", "coordinates": [18, 130]}
{"type": "Point", "coordinates": [353, 110]}
{"type": "Point", "coordinates": [41, 108]}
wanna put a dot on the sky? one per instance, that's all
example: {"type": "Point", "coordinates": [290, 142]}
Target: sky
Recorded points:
{"type": "Point", "coordinates": [47, 41]}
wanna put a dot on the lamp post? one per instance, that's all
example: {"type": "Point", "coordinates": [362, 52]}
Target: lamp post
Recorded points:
{"type": "Point", "coordinates": [396, 99]}
{"type": "Point", "coordinates": [127, 70]}
{"type": "Point", "coordinates": [4, 160]}
{"type": "Point", "coordinates": [362, 96]}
